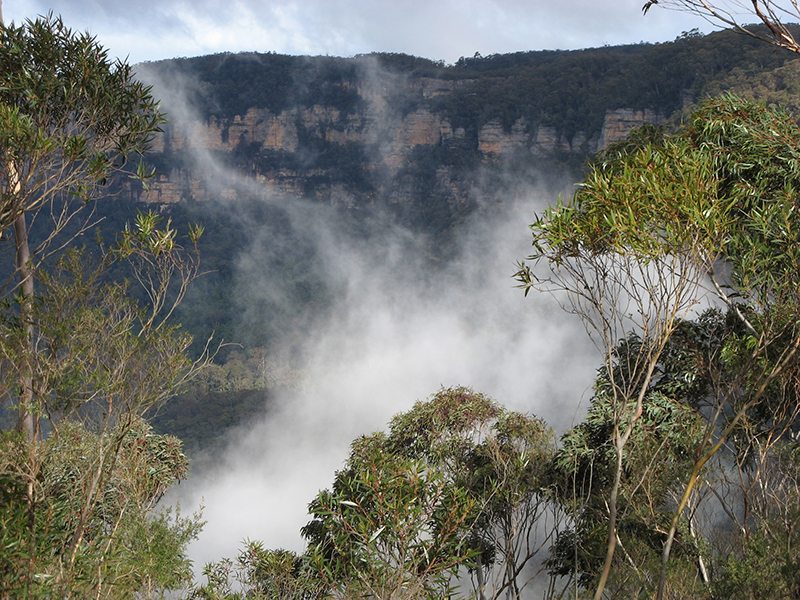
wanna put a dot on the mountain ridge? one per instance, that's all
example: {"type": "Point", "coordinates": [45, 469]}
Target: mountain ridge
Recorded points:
{"type": "Point", "coordinates": [411, 133]}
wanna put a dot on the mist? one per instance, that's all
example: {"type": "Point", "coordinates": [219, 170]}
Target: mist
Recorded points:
{"type": "Point", "coordinates": [393, 336]}
{"type": "Point", "coordinates": [401, 319]}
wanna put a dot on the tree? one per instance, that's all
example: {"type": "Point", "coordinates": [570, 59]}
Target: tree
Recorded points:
{"type": "Point", "coordinates": [500, 458]}
{"type": "Point", "coordinates": [712, 205]}
{"type": "Point", "coordinates": [611, 253]}
{"type": "Point", "coordinates": [260, 573]}
{"type": "Point", "coordinates": [78, 502]}
{"type": "Point", "coordinates": [81, 360]}
{"type": "Point", "coordinates": [109, 543]}
{"type": "Point", "coordinates": [776, 16]}
{"type": "Point", "coordinates": [390, 527]}
{"type": "Point", "coordinates": [70, 119]}
{"type": "Point", "coordinates": [456, 488]}
{"type": "Point", "coordinates": [658, 456]}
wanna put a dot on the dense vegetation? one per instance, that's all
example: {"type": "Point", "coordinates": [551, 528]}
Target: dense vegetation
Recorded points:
{"type": "Point", "coordinates": [82, 363]}
{"type": "Point", "coordinates": [569, 90]}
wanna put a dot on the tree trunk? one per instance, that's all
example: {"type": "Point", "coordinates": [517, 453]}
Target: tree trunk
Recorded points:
{"type": "Point", "coordinates": [26, 421]}
{"type": "Point", "coordinates": [612, 524]}
{"type": "Point", "coordinates": [25, 424]}
{"type": "Point", "coordinates": [513, 589]}
{"type": "Point", "coordinates": [481, 579]}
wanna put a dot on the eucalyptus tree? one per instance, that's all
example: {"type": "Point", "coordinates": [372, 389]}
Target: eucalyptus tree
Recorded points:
{"type": "Point", "coordinates": [609, 254]}
{"type": "Point", "coordinates": [501, 459]}
{"type": "Point", "coordinates": [456, 491]}
{"type": "Point", "coordinates": [390, 527]}
{"type": "Point", "coordinates": [70, 120]}
{"type": "Point", "coordinates": [657, 219]}
{"type": "Point", "coordinates": [658, 457]}
{"type": "Point", "coordinates": [483, 508]}
{"type": "Point", "coordinates": [77, 504]}
{"type": "Point", "coordinates": [81, 360]}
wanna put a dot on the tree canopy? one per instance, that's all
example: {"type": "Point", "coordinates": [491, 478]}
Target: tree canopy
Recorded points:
{"type": "Point", "coordinates": [70, 117]}
{"type": "Point", "coordinates": [81, 360]}
{"type": "Point", "coordinates": [663, 222]}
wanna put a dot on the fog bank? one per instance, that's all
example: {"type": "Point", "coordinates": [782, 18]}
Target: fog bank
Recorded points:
{"type": "Point", "coordinates": [394, 335]}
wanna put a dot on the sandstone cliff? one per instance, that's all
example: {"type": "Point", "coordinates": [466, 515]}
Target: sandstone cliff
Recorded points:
{"type": "Point", "coordinates": [396, 129]}
{"type": "Point", "coordinates": [387, 144]}
{"type": "Point", "coordinates": [619, 123]}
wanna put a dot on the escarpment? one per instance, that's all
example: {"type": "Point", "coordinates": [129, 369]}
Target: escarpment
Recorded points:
{"type": "Point", "coordinates": [419, 136]}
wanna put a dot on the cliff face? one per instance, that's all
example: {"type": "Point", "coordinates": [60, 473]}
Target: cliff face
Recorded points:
{"type": "Point", "coordinates": [413, 134]}
{"type": "Point", "coordinates": [263, 130]}
{"type": "Point", "coordinates": [386, 148]}
{"type": "Point", "coordinates": [425, 138]}
{"type": "Point", "coordinates": [619, 123]}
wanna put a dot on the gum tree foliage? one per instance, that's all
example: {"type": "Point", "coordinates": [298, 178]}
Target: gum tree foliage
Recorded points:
{"type": "Point", "coordinates": [499, 457]}
{"type": "Point", "coordinates": [389, 527]}
{"type": "Point", "coordinates": [78, 502]}
{"type": "Point", "coordinates": [659, 455]}
{"type": "Point", "coordinates": [123, 547]}
{"type": "Point", "coordinates": [81, 361]}
{"type": "Point", "coordinates": [70, 119]}
{"type": "Point", "coordinates": [719, 198]}
{"type": "Point", "coordinates": [259, 573]}
{"type": "Point", "coordinates": [454, 489]}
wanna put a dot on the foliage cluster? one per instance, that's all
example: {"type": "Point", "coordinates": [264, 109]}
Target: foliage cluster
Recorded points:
{"type": "Point", "coordinates": [660, 222]}
{"type": "Point", "coordinates": [70, 117]}
{"type": "Point", "coordinates": [85, 355]}
{"type": "Point", "coordinates": [114, 545]}
{"type": "Point", "coordinates": [455, 488]}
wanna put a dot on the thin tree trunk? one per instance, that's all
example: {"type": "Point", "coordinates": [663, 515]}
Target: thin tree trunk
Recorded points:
{"type": "Point", "coordinates": [511, 576]}
{"type": "Point", "coordinates": [701, 462]}
{"type": "Point", "coordinates": [25, 424]}
{"type": "Point", "coordinates": [481, 580]}
{"type": "Point", "coordinates": [700, 562]}
{"type": "Point", "coordinates": [612, 525]}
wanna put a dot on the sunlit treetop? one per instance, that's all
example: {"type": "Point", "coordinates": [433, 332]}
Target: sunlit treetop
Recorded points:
{"type": "Point", "coordinates": [70, 117]}
{"type": "Point", "coordinates": [723, 187]}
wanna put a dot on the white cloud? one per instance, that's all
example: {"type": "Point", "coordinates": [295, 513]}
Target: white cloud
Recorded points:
{"type": "Point", "coordinates": [445, 29]}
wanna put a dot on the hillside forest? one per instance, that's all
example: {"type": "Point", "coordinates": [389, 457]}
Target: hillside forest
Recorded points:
{"type": "Point", "coordinates": [131, 345]}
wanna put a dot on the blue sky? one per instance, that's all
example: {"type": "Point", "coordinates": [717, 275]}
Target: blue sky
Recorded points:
{"type": "Point", "coordinates": [438, 29]}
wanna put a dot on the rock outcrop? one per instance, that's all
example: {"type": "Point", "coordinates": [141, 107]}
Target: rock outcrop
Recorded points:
{"type": "Point", "coordinates": [334, 155]}
{"type": "Point", "coordinates": [619, 123]}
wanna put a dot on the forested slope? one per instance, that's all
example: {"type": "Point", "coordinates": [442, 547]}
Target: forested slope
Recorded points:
{"type": "Point", "coordinates": [385, 139]}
